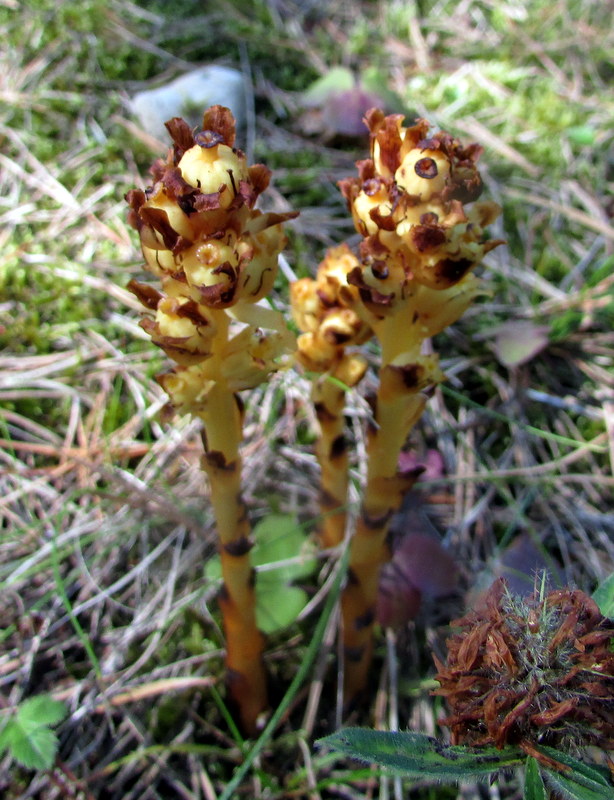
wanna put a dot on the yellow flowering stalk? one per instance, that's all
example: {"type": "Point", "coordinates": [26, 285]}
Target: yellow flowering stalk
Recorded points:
{"type": "Point", "coordinates": [215, 256]}
{"type": "Point", "coordinates": [413, 204]}
{"type": "Point", "coordinates": [329, 328]}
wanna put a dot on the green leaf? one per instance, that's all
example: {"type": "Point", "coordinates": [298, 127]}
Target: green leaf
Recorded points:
{"type": "Point", "coordinates": [41, 710]}
{"type": "Point", "coordinates": [282, 549]}
{"type": "Point", "coordinates": [27, 735]}
{"type": "Point", "coordinates": [279, 538]}
{"type": "Point", "coordinates": [582, 770]}
{"type": "Point", "coordinates": [533, 784]}
{"type": "Point", "coordinates": [417, 755]}
{"type": "Point", "coordinates": [33, 748]}
{"type": "Point", "coordinates": [277, 605]}
{"type": "Point", "coordinates": [604, 596]}
{"type": "Point", "coordinates": [6, 735]}
{"type": "Point", "coordinates": [573, 786]}
{"type": "Point", "coordinates": [337, 79]}
{"type": "Point", "coordinates": [281, 554]}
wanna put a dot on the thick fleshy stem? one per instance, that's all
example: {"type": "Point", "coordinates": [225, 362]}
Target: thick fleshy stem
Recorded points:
{"type": "Point", "coordinates": [246, 675]}
{"type": "Point", "coordinates": [330, 449]}
{"type": "Point", "coordinates": [221, 411]}
{"type": "Point", "coordinates": [216, 257]}
{"type": "Point", "coordinates": [420, 241]}
{"type": "Point", "coordinates": [329, 396]}
{"type": "Point", "coordinates": [398, 406]}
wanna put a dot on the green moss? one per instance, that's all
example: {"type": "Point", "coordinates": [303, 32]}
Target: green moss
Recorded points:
{"type": "Point", "coordinates": [86, 34]}
{"type": "Point", "coordinates": [518, 104]}
{"type": "Point", "coordinates": [550, 267]}
{"type": "Point", "coordinates": [240, 30]}
{"type": "Point", "coordinates": [39, 308]}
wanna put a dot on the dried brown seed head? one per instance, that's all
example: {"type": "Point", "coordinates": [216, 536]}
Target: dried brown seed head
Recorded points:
{"type": "Point", "coordinates": [531, 671]}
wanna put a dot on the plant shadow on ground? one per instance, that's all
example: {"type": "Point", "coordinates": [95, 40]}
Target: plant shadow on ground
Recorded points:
{"type": "Point", "coordinates": [105, 529]}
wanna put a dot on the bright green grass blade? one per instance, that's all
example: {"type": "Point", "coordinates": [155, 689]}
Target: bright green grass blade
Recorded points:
{"type": "Point", "coordinates": [533, 783]}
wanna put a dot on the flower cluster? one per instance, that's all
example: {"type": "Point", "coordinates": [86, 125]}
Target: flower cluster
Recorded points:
{"type": "Point", "coordinates": [216, 256]}
{"type": "Point", "coordinates": [329, 328]}
{"type": "Point", "coordinates": [413, 204]}
{"type": "Point", "coordinates": [409, 205]}
{"type": "Point", "coordinates": [319, 309]}
{"type": "Point", "coordinates": [531, 671]}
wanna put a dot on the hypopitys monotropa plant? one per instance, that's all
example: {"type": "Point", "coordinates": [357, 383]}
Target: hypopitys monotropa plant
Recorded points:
{"type": "Point", "coordinates": [326, 349]}
{"type": "Point", "coordinates": [215, 256]}
{"type": "Point", "coordinates": [414, 203]}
